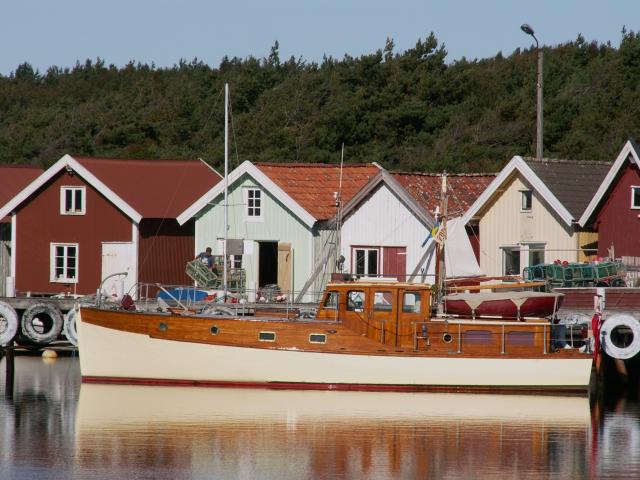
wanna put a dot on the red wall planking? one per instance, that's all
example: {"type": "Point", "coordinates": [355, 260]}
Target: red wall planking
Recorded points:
{"type": "Point", "coordinates": [39, 223]}
{"type": "Point", "coordinates": [164, 250]}
{"type": "Point", "coordinates": [617, 223]}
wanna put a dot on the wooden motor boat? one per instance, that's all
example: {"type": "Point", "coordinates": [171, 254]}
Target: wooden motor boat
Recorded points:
{"type": "Point", "coordinates": [366, 336]}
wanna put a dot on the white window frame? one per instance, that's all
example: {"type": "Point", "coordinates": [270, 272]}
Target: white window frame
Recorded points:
{"type": "Point", "coordinates": [633, 188]}
{"type": "Point", "coordinates": [235, 261]}
{"type": "Point", "coordinates": [252, 217]}
{"type": "Point", "coordinates": [537, 247]}
{"type": "Point", "coordinates": [517, 248]}
{"type": "Point", "coordinates": [63, 200]}
{"type": "Point", "coordinates": [522, 197]}
{"type": "Point", "coordinates": [367, 270]}
{"type": "Point", "coordinates": [52, 265]}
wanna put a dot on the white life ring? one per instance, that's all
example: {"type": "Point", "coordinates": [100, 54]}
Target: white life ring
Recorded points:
{"type": "Point", "coordinates": [8, 323]}
{"type": "Point", "coordinates": [620, 320]}
{"type": "Point", "coordinates": [70, 331]}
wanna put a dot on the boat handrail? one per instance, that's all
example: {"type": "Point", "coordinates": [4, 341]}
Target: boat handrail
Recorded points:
{"type": "Point", "coordinates": [421, 333]}
{"type": "Point", "coordinates": [488, 321]}
{"type": "Point", "coordinates": [496, 286]}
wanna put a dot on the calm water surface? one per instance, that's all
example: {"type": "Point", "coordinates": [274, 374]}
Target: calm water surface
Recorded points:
{"type": "Point", "coordinates": [55, 428]}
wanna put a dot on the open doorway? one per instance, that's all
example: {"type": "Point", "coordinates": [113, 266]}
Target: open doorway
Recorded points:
{"type": "Point", "coordinates": [267, 263]}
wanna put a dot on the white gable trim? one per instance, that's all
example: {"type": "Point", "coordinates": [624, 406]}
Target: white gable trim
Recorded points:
{"type": "Point", "coordinates": [384, 177]}
{"type": "Point", "coordinates": [64, 162]}
{"type": "Point", "coordinates": [250, 169]}
{"type": "Point", "coordinates": [627, 150]}
{"type": "Point", "coordinates": [211, 168]}
{"type": "Point", "coordinates": [517, 163]}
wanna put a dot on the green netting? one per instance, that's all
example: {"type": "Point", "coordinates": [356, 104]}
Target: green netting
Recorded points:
{"type": "Point", "coordinates": [200, 273]}
{"type": "Point", "coordinates": [576, 274]}
{"type": "Point", "coordinates": [588, 272]}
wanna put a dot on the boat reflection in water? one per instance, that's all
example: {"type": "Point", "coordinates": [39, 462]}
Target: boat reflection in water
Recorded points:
{"type": "Point", "coordinates": [245, 433]}
{"type": "Point", "coordinates": [615, 446]}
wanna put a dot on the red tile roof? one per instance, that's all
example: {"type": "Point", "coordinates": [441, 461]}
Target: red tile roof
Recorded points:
{"type": "Point", "coordinates": [14, 178]}
{"type": "Point", "coordinates": [463, 189]}
{"type": "Point", "coordinates": [312, 185]}
{"type": "Point", "coordinates": [154, 188]}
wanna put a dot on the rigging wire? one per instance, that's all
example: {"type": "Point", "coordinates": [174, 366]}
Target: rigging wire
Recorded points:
{"type": "Point", "coordinates": [173, 196]}
{"type": "Point", "coordinates": [213, 110]}
{"type": "Point", "coordinates": [154, 237]}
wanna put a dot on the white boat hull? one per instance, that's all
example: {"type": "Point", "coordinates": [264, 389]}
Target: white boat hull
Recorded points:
{"type": "Point", "coordinates": [112, 355]}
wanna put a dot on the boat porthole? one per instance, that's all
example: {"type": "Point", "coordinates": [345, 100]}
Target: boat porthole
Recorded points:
{"type": "Point", "coordinates": [447, 337]}
{"type": "Point", "coordinates": [214, 330]}
{"type": "Point", "coordinates": [163, 327]}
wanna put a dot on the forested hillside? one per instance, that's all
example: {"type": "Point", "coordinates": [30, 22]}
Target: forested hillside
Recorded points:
{"type": "Point", "coordinates": [409, 110]}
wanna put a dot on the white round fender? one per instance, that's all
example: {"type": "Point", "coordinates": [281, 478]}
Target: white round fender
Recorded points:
{"type": "Point", "coordinates": [41, 323]}
{"type": "Point", "coordinates": [69, 328]}
{"type": "Point", "coordinates": [613, 322]}
{"type": "Point", "coordinates": [8, 323]}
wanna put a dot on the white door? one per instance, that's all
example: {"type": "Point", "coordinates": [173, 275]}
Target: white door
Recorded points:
{"type": "Point", "coordinates": [118, 257]}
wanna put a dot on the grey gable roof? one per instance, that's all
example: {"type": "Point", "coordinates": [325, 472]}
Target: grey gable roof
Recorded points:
{"type": "Point", "coordinates": [573, 182]}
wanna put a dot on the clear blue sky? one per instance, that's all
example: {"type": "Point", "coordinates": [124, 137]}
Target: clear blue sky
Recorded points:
{"type": "Point", "coordinates": [60, 32]}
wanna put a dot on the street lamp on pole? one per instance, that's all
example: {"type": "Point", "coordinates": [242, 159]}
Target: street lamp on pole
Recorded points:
{"type": "Point", "coordinates": [526, 28]}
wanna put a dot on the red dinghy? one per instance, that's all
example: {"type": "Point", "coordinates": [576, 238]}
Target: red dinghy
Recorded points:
{"type": "Point", "coordinates": [502, 304]}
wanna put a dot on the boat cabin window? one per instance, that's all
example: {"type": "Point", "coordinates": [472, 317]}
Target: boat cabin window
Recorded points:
{"type": "Point", "coordinates": [267, 336]}
{"type": "Point", "coordinates": [331, 303]}
{"type": "Point", "coordinates": [411, 302]}
{"type": "Point", "coordinates": [355, 301]}
{"type": "Point", "coordinates": [317, 338]}
{"type": "Point", "coordinates": [477, 337]}
{"type": "Point", "coordinates": [382, 302]}
{"type": "Point", "coordinates": [521, 338]}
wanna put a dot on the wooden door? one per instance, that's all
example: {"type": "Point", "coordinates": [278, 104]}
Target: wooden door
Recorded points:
{"type": "Point", "coordinates": [355, 311]}
{"type": "Point", "coordinates": [5, 256]}
{"type": "Point", "coordinates": [413, 307]}
{"type": "Point", "coordinates": [118, 257]}
{"type": "Point", "coordinates": [284, 266]}
{"type": "Point", "coordinates": [394, 264]}
{"type": "Point", "coordinates": [384, 315]}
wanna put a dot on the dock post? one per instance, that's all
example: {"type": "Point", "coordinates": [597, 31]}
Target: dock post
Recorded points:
{"type": "Point", "coordinates": [10, 371]}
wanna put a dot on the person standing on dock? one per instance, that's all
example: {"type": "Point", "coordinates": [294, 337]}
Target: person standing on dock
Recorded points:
{"type": "Point", "coordinates": [207, 258]}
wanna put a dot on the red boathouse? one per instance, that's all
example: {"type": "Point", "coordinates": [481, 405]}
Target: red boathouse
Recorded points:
{"type": "Point", "coordinates": [614, 211]}
{"type": "Point", "coordinates": [86, 218]}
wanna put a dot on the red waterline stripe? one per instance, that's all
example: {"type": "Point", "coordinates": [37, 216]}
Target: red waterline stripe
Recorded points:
{"type": "Point", "coordinates": [335, 386]}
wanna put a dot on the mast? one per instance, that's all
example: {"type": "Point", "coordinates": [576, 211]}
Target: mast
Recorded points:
{"type": "Point", "coordinates": [334, 248]}
{"type": "Point", "coordinates": [226, 186]}
{"type": "Point", "coordinates": [339, 206]}
{"type": "Point", "coordinates": [440, 239]}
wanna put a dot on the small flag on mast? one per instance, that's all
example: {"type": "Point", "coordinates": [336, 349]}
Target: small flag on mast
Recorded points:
{"type": "Point", "coordinates": [433, 233]}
